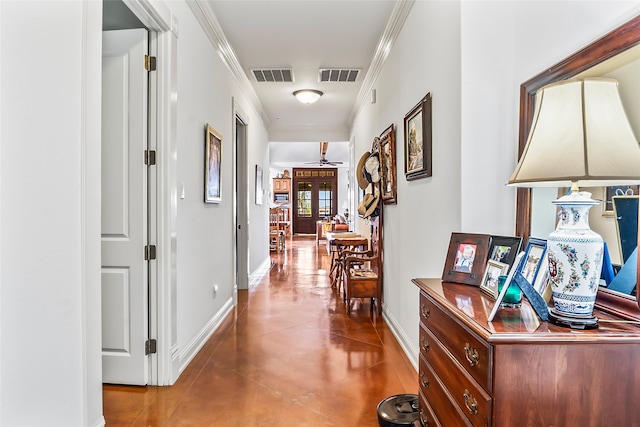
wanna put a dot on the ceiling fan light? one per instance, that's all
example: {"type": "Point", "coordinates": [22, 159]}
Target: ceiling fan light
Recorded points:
{"type": "Point", "coordinates": [307, 96]}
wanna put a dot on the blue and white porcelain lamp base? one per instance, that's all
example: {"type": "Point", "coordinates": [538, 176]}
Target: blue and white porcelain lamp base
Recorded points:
{"type": "Point", "coordinates": [574, 253]}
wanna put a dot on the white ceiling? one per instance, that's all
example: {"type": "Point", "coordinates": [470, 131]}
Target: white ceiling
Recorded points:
{"type": "Point", "coordinates": [306, 35]}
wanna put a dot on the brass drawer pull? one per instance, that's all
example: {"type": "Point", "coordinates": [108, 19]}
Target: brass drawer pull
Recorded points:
{"type": "Point", "coordinates": [423, 418]}
{"type": "Point", "coordinates": [424, 345]}
{"type": "Point", "coordinates": [470, 402]}
{"type": "Point", "coordinates": [425, 311]}
{"type": "Point", "coordinates": [424, 381]}
{"type": "Point", "coordinates": [471, 354]}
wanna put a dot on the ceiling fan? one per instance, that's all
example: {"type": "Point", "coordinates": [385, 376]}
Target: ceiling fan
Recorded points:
{"type": "Point", "coordinates": [323, 160]}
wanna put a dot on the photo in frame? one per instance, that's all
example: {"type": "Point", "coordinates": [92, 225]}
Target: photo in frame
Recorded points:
{"type": "Point", "coordinates": [507, 282]}
{"type": "Point", "coordinates": [387, 149]}
{"type": "Point", "coordinates": [212, 166]}
{"type": "Point", "coordinates": [493, 270]}
{"type": "Point", "coordinates": [418, 140]}
{"type": "Point", "coordinates": [466, 258]}
{"type": "Point", "coordinates": [504, 249]}
{"type": "Point", "coordinates": [258, 188]}
{"type": "Point", "coordinates": [542, 279]}
{"type": "Point", "coordinates": [534, 254]}
{"type": "Point", "coordinates": [618, 190]}
{"type": "Point", "coordinates": [626, 209]}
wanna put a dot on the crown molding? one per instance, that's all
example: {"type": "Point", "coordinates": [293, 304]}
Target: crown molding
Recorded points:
{"type": "Point", "coordinates": [392, 30]}
{"type": "Point", "coordinates": [207, 19]}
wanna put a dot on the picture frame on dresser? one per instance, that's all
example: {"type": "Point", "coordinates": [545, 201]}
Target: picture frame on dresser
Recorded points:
{"type": "Point", "coordinates": [534, 254]}
{"type": "Point", "coordinates": [507, 283]}
{"type": "Point", "coordinates": [504, 248]}
{"type": "Point", "coordinates": [618, 190]}
{"type": "Point", "coordinates": [493, 270]}
{"type": "Point", "coordinates": [466, 258]}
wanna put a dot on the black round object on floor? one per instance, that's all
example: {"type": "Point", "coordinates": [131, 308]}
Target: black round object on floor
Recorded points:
{"type": "Point", "coordinates": [398, 410]}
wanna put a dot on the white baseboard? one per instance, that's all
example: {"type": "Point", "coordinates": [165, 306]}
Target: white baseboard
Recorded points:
{"type": "Point", "coordinates": [403, 339]}
{"type": "Point", "coordinates": [257, 275]}
{"type": "Point", "coordinates": [186, 356]}
{"type": "Point", "coordinates": [100, 423]}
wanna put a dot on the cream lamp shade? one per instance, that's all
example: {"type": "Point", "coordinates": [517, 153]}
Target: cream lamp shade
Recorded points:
{"type": "Point", "coordinates": [580, 134]}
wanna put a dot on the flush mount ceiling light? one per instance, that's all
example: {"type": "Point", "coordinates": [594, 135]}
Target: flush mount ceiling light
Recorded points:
{"type": "Point", "coordinates": [307, 96]}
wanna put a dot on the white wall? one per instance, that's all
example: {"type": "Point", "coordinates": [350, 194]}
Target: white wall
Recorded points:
{"type": "Point", "coordinates": [503, 45]}
{"type": "Point", "coordinates": [205, 231]}
{"type": "Point", "coordinates": [425, 58]}
{"type": "Point", "coordinates": [472, 56]}
{"type": "Point", "coordinates": [50, 359]}
{"type": "Point", "coordinates": [50, 363]}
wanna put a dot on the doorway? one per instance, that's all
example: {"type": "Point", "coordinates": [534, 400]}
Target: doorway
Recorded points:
{"type": "Point", "coordinates": [242, 207]}
{"type": "Point", "coordinates": [315, 197]}
{"type": "Point", "coordinates": [125, 208]}
{"type": "Point", "coordinates": [155, 310]}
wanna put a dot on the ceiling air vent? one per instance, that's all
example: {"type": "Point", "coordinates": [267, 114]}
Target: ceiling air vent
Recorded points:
{"type": "Point", "coordinates": [273, 74]}
{"type": "Point", "coordinates": [338, 74]}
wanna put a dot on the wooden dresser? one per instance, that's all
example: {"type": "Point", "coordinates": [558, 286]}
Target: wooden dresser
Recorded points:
{"type": "Point", "coordinates": [518, 371]}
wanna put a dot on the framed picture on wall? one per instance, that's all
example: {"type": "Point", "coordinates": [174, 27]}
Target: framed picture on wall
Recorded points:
{"type": "Point", "coordinates": [212, 166]}
{"type": "Point", "coordinates": [417, 140]}
{"type": "Point", "coordinates": [387, 151]}
{"type": "Point", "coordinates": [259, 174]}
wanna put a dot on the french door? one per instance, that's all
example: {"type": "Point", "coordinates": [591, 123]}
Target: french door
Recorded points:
{"type": "Point", "coordinates": [315, 197]}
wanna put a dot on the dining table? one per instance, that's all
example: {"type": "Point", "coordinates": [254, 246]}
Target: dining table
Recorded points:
{"type": "Point", "coordinates": [333, 249]}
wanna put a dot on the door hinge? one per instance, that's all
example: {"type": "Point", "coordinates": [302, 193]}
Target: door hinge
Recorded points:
{"type": "Point", "coordinates": [150, 63]}
{"type": "Point", "coordinates": [149, 252]}
{"type": "Point", "coordinates": [150, 347]}
{"type": "Point", "coordinates": [149, 157]}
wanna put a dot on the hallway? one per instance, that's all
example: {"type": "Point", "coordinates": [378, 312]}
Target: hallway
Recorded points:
{"type": "Point", "coordinates": [289, 355]}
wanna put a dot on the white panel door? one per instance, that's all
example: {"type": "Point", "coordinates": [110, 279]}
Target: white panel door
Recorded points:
{"type": "Point", "coordinates": [124, 208]}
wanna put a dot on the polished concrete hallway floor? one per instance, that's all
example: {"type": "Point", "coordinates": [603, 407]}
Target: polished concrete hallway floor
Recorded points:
{"type": "Point", "coordinates": [289, 355]}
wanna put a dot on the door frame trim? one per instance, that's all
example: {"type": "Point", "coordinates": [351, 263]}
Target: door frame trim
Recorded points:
{"type": "Point", "coordinates": [241, 189]}
{"type": "Point", "coordinates": [158, 19]}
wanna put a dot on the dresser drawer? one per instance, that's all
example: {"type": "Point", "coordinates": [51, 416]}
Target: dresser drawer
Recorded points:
{"type": "Point", "coordinates": [445, 410]}
{"type": "Point", "coordinates": [465, 391]}
{"type": "Point", "coordinates": [427, 417]}
{"type": "Point", "coordinates": [473, 354]}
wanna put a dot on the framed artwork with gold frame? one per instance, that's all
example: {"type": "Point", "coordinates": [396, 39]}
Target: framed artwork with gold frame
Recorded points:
{"type": "Point", "coordinates": [212, 166]}
{"type": "Point", "coordinates": [387, 150]}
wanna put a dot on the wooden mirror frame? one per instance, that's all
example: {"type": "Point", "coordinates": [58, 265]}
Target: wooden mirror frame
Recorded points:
{"type": "Point", "coordinates": [617, 41]}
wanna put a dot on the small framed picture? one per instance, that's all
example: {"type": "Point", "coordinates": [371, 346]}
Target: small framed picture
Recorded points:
{"type": "Point", "coordinates": [504, 249]}
{"type": "Point", "coordinates": [417, 140]}
{"type": "Point", "coordinates": [619, 190]}
{"type": "Point", "coordinates": [489, 282]}
{"type": "Point", "coordinates": [534, 254]}
{"type": "Point", "coordinates": [212, 166]}
{"type": "Point", "coordinates": [258, 187]}
{"type": "Point", "coordinates": [507, 282]}
{"type": "Point", "coordinates": [466, 258]}
{"type": "Point", "coordinates": [387, 151]}
{"type": "Point", "coordinates": [542, 278]}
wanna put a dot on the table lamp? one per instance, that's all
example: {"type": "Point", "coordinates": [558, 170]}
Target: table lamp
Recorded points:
{"type": "Point", "coordinates": [580, 136]}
